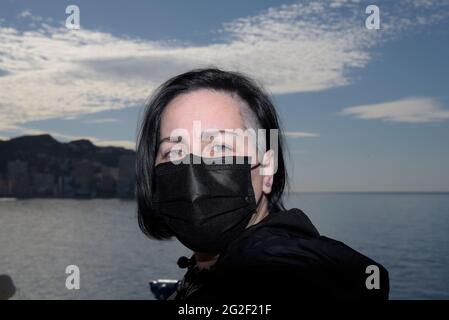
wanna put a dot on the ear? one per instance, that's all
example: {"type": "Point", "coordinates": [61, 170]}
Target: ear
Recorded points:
{"type": "Point", "coordinates": [267, 171]}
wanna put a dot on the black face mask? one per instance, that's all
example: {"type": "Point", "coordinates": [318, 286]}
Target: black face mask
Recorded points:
{"type": "Point", "coordinates": [205, 205]}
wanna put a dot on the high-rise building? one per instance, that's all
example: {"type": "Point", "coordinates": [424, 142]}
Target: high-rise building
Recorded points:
{"type": "Point", "coordinates": [4, 191]}
{"type": "Point", "coordinates": [44, 184]}
{"type": "Point", "coordinates": [18, 179]}
{"type": "Point", "coordinates": [126, 176]}
{"type": "Point", "coordinates": [84, 180]}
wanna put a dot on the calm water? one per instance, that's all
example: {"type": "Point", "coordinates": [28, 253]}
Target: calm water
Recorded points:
{"type": "Point", "coordinates": [407, 233]}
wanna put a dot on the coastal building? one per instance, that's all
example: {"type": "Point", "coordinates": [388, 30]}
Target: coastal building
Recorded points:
{"type": "Point", "coordinates": [126, 176]}
{"type": "Point", "coordinates": [18, 178]}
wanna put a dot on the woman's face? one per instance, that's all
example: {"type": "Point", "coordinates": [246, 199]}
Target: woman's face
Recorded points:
{"type": "Point", "coordinates": [208, 123]}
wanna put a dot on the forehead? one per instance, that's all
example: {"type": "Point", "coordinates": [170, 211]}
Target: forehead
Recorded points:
{"type": "Point", "coordinates": [214, 109]}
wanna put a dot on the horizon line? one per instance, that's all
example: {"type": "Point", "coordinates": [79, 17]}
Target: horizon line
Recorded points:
{"type": "Point", "coordinates": [378, 191]}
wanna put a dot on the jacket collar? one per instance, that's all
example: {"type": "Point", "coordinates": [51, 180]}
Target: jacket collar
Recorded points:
{"type": "Point", "coordinates": [293, 221]}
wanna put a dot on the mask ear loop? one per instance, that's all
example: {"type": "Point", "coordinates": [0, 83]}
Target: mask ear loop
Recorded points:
{"type": "Point", "coordinates": [257, 165]}
{"type": "Point", "coordinates": [260, 198]}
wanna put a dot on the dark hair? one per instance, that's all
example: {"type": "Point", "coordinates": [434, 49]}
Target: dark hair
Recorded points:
{"type": "Point", "coordinates": [214, 79]}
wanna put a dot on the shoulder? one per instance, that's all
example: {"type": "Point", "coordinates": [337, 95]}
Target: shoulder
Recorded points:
{"type": "Point", "coordinates": [280, 253]}
{"type": "Point", "coordinates": [282, 239]}
{"type": "Point", "coordinates": [279, 249]}
{"type": "Point", "coordinates": [289, 237]}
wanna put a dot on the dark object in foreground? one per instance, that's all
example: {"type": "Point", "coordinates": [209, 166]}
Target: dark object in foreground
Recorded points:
{"type": "Point", "coordinates": [7, 287]}
{"type": "Point", "coordinates": [163, 288]}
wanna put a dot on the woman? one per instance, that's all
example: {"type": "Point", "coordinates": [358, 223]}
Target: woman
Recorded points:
{"type": "Point", "coordinates": [223, 200]}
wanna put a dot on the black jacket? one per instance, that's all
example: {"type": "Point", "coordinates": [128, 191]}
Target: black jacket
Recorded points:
{"type": "Point", "coordinates": [284, 257]}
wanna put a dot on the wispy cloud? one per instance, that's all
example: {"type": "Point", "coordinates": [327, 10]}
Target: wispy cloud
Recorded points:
{"type": "Point", "coordinates": [296, 152]}
{"type": "Point", "coordinates": [116, 143]}
{"type": "Point", "coordinates": [300, 134]}
{"type": "Point", "coordinates": [411, 110]}
{"type": "Point", "coordinates": [100, 121]}
{"type": "Point", "coordinates": [25, 14]}
{"type": "Point", "coordinates": [33, 19]}
{"type": "Point", "coordinates": [50, 72]}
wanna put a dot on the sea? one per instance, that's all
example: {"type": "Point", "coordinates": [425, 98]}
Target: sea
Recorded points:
{"type": "Point", "coordinates": [408, 233]}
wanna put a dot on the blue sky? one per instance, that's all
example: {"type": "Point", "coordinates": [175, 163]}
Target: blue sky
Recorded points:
{"type": "Point", "coordinates": [367, 110]}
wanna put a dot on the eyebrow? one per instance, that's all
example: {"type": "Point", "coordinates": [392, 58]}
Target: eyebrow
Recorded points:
{"type": "Point", "coordinates": [204, 135]}
{"type": "Point", "coordinates": [210, 133]}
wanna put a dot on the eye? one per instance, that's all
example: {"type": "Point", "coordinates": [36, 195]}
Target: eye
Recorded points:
{"type": "Point", "coordinates": [173, 154]}
{"type": "Point", "coordinates": [221, 148]}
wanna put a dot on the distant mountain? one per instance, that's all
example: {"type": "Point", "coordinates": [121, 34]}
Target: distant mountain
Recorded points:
{"type": "Point", "coordinates": [41, 166]}
{"type": "Point", "coordinates": [38, 149]}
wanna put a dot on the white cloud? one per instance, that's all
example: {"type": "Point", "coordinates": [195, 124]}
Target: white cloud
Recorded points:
{"type": "Point", "coordinates": [100, 121]}
{"type": "Point", "coordinates": [116, 143]}
{"type": "Point", "coordinates": [24, 14]}
{"type": "Point", "coordinates": [296, 152]}
{"type": "Point", "coordinates": [27, 14]}
{"type": "Point", "coordinates": [53, 72]}
{"type": "Point", "coordinates": [411, 110]}
{"type": "Point", "coordinates": [300, 134]}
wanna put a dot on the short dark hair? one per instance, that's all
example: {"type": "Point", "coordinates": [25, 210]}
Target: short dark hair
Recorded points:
{"type": "Point", "coordinates": [234, 83]}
